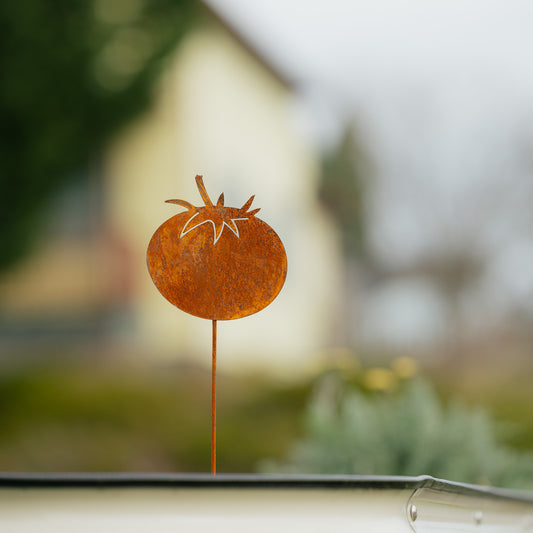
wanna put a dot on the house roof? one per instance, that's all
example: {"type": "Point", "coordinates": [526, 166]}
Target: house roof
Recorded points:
{"type": "Point", "coordinates": [283, 77]}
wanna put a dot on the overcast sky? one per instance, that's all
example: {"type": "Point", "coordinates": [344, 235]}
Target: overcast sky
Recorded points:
{"type": "Point", "coordinates": [347, 44]}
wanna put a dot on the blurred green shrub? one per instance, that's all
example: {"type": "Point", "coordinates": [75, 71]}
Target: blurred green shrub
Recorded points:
{"type": "Point", "coordinates": [407, 432]}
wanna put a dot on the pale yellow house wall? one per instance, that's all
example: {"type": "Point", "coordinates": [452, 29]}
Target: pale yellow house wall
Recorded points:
{"type": "Point", "coordinates": [222, 114]}
{"type": "Point", "coordinates": [56, 281]}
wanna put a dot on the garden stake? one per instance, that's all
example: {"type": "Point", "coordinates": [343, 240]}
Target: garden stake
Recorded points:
{"type": "Point", "coordinates": [216, 274]}
{"type": "Point", "coordinates": [214, 401]}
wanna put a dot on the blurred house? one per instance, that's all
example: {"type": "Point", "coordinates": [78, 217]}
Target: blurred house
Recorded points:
{"type": "Point", "coordinates": [220, 110]}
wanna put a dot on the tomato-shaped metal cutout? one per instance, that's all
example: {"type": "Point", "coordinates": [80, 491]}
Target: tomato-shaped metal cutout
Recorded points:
{"type": "Point", "coordinates": [217, 262]}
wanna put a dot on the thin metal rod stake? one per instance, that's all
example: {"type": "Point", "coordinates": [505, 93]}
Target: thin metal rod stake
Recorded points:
{"type": "Point", "coordinates": [214, 402]}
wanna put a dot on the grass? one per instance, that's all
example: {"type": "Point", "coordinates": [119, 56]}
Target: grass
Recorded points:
{"type": "Point", "coordinates": [87, 417]}
{"type": "Point", "coordinates": [95, 414]}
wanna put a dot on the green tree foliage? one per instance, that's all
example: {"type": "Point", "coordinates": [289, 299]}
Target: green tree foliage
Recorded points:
{"type": "Point", "coordinates": [405, 433]}
{"type": "Point", "coordinates": [72, 74]}
{"type": "Point", "coordinates": [342, 190]}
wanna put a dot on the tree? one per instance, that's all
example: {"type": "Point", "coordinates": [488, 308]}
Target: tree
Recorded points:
{"type": "Point", "coordinates": [73, 74]}
{"type": "Point", "coordinates": [343, 191]}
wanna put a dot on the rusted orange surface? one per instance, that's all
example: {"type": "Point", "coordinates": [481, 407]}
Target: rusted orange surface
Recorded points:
{"type": "Point", "coordinates": [217, 262]}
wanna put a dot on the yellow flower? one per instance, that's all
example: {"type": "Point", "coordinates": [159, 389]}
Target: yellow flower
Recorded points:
{"type": "Point", "coordinates": [379, 379]}
{"type": "Point", "coordinates": [405, 367]}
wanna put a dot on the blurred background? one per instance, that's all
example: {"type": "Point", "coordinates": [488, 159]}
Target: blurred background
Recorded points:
{"type": "Point", "coordinates": [391, 148]}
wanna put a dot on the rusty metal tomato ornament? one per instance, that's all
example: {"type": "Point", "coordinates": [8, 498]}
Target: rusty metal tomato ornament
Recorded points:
{"type": "Point", "coordinates": [217, 262]}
